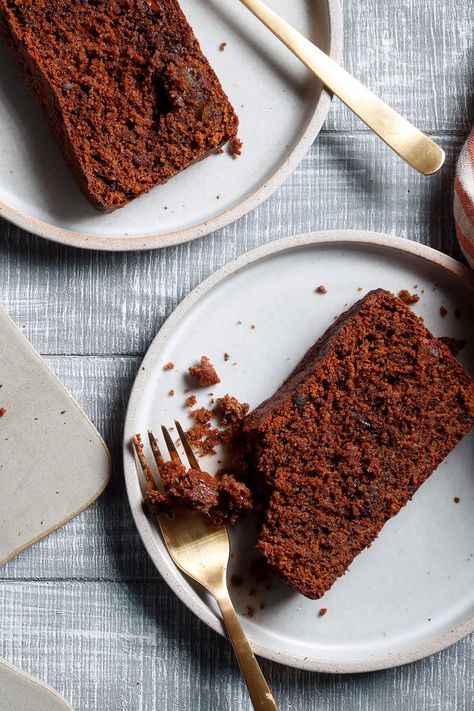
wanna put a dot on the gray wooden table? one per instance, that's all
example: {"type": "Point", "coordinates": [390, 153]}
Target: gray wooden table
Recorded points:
{"type": "Point", "coordinates": [84, 609]}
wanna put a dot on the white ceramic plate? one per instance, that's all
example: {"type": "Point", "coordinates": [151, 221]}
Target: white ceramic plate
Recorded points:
{"type": "Point", "coordinates": [53, 462]}
{"type": "Point", "coordinates": [22, 692]}
{"type": "Point", "coordinates": [412, 592]}
{"type": "Point", "coordinates": [281, 109]}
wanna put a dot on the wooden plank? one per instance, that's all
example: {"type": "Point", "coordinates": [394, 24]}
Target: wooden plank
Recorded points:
{"type": "Point", "coordinates": [124, 646]}
{"type": "Point", "coordinates": [415, 55]}
{"type": "Point", "coordinates": [71, 301]}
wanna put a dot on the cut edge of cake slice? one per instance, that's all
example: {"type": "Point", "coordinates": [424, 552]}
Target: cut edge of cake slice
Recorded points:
{"type": "Point", "coordinates": [368, 414]}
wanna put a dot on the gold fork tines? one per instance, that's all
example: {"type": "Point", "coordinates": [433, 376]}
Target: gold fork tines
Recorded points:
{"type": "Point", "coordinates": [187, 447]}
{"type": "Point", "coordinates": [201, 550]}
{"type": "Point", "coordinates": [150, 481]}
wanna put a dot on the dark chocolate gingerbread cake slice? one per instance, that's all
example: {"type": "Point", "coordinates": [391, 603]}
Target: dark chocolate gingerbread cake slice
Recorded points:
{"type": "Point", "coordinates": [129, 94]}
{"type": "Point", "coordinates": [369, 413]}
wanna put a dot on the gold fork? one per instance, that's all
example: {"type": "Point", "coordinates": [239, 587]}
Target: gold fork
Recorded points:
{"type": "Point", "coordinates": [201, 550]}
{"type": "Point", "coordinates": [408, 142]}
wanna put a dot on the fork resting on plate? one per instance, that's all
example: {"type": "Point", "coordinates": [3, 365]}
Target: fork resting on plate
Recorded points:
{"type": "Point", "coordinates": [400, 135]}
{"type": "Point", "coordinates": [201, 550]}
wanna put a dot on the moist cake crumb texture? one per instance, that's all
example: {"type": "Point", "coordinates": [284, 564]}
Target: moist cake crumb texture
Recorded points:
{"type": "Point", "coordinates": [204, 373]}
{"type": "Point", "coordinates": [235, 147]}
{"type": "Point", "coordinates": [129, 95]}
{"type": "Point", "coordinates": [202, 435]}
{"type": "Point", "coordinates": [231, 410]}
{"type": "Point", "coordinates": [224, 500]}
{"type": "Point", "coordinates": [408, 298]}
{"type": "Point", "coordinates": [191, 401]}
{"type": "Point", "coordinates": [368, 414]}
{"type": "Point", "coordinates": [455, 345]}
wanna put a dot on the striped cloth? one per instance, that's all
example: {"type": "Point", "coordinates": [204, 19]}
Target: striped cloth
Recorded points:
{"type": "Point", "coordinates": [464, 199]}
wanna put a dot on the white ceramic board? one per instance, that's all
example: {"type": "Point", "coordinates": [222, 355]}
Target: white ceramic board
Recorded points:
{"type": "Point", "coordinates": [281, 109]}
{"type": "Point", "coordinates": [21, 692]}
{"type": "Point", "coordinates": [412, 592]}
{"type": "Point", "coordinates": [53, 462]}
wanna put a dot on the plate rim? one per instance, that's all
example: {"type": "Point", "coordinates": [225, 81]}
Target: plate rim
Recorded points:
{"type": "Point", "coordinates": [164, 565]}
{"type": "Point", "coordinates": [117, 243]}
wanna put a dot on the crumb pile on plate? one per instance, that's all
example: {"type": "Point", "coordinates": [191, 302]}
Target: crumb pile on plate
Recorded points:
{"type": "Point", "coordinates": [222, 499]}
{"type": "Point", "coordinates": [204, 373]}
{"type": "Point", "coordinates": [130, 96]}
{"type": "Point", "coordinates": [365, 418]}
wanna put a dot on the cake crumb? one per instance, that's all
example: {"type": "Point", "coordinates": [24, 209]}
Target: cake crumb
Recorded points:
{"type": "Point", "coordinates": [323, 611]}
{"type": "Point", "coordinates": [456, 499]}
{"type": "Point", "coordinates": [443, 311]}
{"type": "Point", "coordinates": [201, 415]}
{"type": "Point", "coordinates": [253, 327]}
{"type": "Point", "coordinates": [359, 288]}
{"type": "Point", "coordinates": [321, 289]}
{"type": "Point", "coordinates": [222, 46]}
{"type": "Point", "coordinates": [168, 366]}
{"type": "Point", "coordinates": [408, 298]}
{"type": "Point", "coordinates": [171, 392]}
{"type": "Point", "coordinates": [455, 345]}
{"type": "Point", "coordinates": [3, 411]}
{"type": "Point", "coordinates": [202, 435]}
{"type": "Point", "coordinates": [235, 147]}
{"type": "Point", "coordinates": [226, 356]}
{"type": "Point", "coordinates": [231, 410]}
{"type": "Point", "coordinates": [191, 401]}
{"type": "Point", "coordinates": [204, 373]}
{"type": "Point", "coordinates": [219, 152]}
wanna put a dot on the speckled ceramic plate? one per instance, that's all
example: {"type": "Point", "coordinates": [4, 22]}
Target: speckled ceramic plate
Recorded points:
{"type": "Point", "coordinates": [21, 692]}
{"type": "Point", "coordinates": [53, 462]}
{"type": "Point", "coordinates": [411, 593]}
{"type": "Point", "coordinates": [281, 109]}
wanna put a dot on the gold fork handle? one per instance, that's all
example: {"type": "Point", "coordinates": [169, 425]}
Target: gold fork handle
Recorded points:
{"type": "Point", "coordinates": [408, 142]}
{"type": "Point", "coordinates": [260, 694]}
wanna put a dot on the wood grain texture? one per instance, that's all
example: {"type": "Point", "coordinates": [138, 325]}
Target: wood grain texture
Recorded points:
{"type": "Point", "coordinates": [131, 645]}
{"type": "Point", "coordinates": [84, 609]}
{"type": "Point", "coordinates": [71, 301]}
{"type": "Point", "coordinates": [418, 56]}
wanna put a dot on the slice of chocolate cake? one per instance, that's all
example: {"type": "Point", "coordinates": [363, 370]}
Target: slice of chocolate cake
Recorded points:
{"type": "Point", "coordinates": [369, 413]}
{"type": "Point", "coordinates": [128, 92]}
